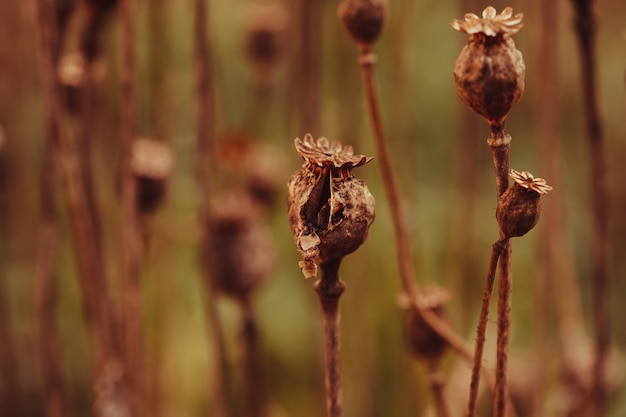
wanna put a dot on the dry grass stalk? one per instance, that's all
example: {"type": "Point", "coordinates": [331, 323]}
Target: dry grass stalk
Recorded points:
{"type": "Point", "coordinates": [205, 142]}
{"type": "Point", "coordinates": [585, 24]}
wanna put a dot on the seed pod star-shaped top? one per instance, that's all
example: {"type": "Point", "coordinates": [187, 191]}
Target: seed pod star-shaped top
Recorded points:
{"type": "Point", "coordinates": [489, 72]}
{"type": "Point", "coordinates": [330, 211]}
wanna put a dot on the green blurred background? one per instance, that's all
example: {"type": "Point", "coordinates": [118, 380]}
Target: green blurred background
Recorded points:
{"type": "Point", "coordinates": [424, 122]}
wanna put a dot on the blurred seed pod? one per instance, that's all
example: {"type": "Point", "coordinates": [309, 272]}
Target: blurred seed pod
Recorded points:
{"type": "Point", "coordinates": [265, 42]}
{"type": "Point", "coordinates": [363, 20]}
{"type": "Point", "coordinates": [152, 162]}
{"type": "Point", "coordinates": [240, 249]}
{"type": "Point", "coordinates": [489, 72]}
{"type": "Point", "coordinates": [330, 211]}
{"type": "Point", "coordinates": [423, 342]}
{"type": "Point", "coordinates": [259, 168]}
{"type": "Point", "coordinates": [519, 207]}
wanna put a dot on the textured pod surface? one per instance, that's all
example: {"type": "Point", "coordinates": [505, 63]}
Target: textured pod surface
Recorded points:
{"type": "Point", "coordinates": [363, 19]}
{"type": "Point", "coordinates": [519, 207]}
{"type": "Point", "coordinates": [489, 75]}
{"type": "Point", "coordinates": [489, 72]}
{"type": "Point", "coordinates": [241, 249]}
{"type": "Point", "coordinates": [329, 210]}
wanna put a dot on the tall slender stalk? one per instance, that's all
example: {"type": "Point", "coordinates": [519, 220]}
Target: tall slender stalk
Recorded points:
{"type": "Point", "coordinates": [254, 389]}
{"type": "Point", "coordinates": [53, 384]}
{"type": "Point", "coordinates": [205, 177]}
{"type": "Point", "coordinates": [499, 142]}
{"type": "Point", "coordinates": [89, 263]}
{"type": "Point", "coordinates": [130, 219]}
{"type": "Point", "coordinates": [496, 251]}
{"type": "Point", "coordinates": [329, 289]}
{"type": "Point", "coordinates": [367, 61]}
{"type": "Point", "coordinates": [585, 31]}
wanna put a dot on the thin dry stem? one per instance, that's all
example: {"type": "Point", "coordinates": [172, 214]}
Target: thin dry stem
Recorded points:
{"type": "Point", "coordinates": [254, 387]}
{"type": "Point", "coordinates": [329, 288]}
{"type": "Point", "coordinates": [407, 274]}
{"type": "Point", "coordinates": [585, 30]}
{"type": "Point", "coordinates": [204, 163]}
{"type": "Point", "coordinates": [131, 234]}
{"type": "Point", "coordinates": [367, 61]}
{"type": "Point", "coordinates": [436, 378]}
{"type": "Point", "coordinates": [499, 142]}
{"type": "Point", "coordinates": [504, 324]}
{"type": "Point", "coordinates": [481, 330]}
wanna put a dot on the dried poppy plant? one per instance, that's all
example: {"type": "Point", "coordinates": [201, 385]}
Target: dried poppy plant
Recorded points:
{"type": "Point", "coordinates": [330, 212]}
{"type": "Point", "coordinates": [489, 75]}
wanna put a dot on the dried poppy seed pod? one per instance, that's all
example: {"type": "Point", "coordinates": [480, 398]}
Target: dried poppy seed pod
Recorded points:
{"type": "Point", "coordinates": [330, 211]}
{"type": "Point", "coordinates": [519, 207]}
{"type": "Point", "coordinates": [240, 250]}
{"type": "Point", "coordinates": [423, 342]}
{"type": "Point", "coordinates": [489, 72]}
{"type": "Point", "coordinates": [363, 19]}
{"type": "Point", "coordinates": [151, 164]}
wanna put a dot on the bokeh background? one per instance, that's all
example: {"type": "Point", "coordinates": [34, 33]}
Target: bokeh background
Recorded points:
{"type": "Point", "coordinates": [442, 166]}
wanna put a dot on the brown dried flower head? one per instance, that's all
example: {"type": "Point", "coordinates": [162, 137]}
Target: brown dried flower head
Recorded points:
{"type": "Point", "coordinates": [363, 20]}
{"type": "Point", "coordinates": [489, 72]}
{"type": "Point", "coordinates": [330, 211]}
{"type": "Point", "coordinates": [519, 207]}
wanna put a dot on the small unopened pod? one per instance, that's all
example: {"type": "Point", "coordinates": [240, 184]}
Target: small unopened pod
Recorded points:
{"type": "Point", "coordinates": [423, 342]}
{"type": "Point", "coordinates": [363, 20]}
{"type": "Point", "coordinates": [489, 72]}
{"type": "Point", "coordinates": [519, 207]}
{"type": "Point", "coordinates": [152, 162]}
{"type": "Point", "coordinates": [330, 211]}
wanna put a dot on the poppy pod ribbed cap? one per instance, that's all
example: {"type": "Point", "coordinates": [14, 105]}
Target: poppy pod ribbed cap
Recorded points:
{"type": "Point", "coordinates": [489, 72]}
{"type": "Point", "coordinates": [330, 211]}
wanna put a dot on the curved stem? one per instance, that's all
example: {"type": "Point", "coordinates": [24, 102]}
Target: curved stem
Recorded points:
{"type": "Point", "coordinates": [329, 289]}
{"type": "Point", "coordinates": [482, 327]}
{"type": "Point", "coordinates": [436, 379]}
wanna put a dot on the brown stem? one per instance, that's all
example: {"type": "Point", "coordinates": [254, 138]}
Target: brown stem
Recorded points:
{"type": "Point", "coordinates": [481, 330]}
{"type": "Point", "coordinates": [329, 289]}
{"type": "Point", "coordinates": [130, 218]}
{"type": "Point", "coordinates": [436, 379]}
{"type": "Point", "coordinates": [309, 74]}
{"type": "Point", "coordinates": [501, 393]}
{"type": "Point", "coordinates": [499, 142]}
{"type": "Point", "coordinates": [585, 30]}
{"type": "Point", "coordinates": [367, 61]}
{"type": "Point", "coordinates": [204, 166]}
{"type": "Point", "coordinates": [254, 377]}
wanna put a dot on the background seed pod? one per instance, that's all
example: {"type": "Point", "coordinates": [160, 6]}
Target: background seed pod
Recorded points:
{"type": "Point", "coordinates": [363, 19]}
{"type": "Point", "coordinates": [241, 250]}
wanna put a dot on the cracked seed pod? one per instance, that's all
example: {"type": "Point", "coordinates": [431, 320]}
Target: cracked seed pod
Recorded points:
{"type": "Point", "coordinates": [363, 19]}
{"type": "Point", "coordinates": [329, 210]}
{"type": "Point", "coordinates": [519, 207]}
{"type": "Point", "coordinates": [240, 249]}
{"type": "Point", "coordinates": [489, 72]}
{"type": "Point", "coordinates": [424, 343]}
